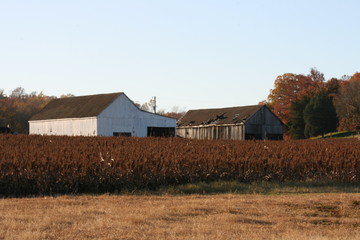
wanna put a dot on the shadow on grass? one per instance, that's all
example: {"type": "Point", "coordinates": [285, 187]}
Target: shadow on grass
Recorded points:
{"type": "Point", "coordinates": [233, 187]}
{"type": "Point", "coordinates": [259, 188]}
{"type": "Point", "coordinates": [348, 134]}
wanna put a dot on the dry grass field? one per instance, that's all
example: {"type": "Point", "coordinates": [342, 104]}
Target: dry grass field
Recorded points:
{"type": "Point", "coordinates": [222, 216]}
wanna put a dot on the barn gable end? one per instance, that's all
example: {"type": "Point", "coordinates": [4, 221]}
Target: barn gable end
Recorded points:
{"type": "Point", "coordinates": [264, 125]}
{"type": "Point", "coordinates": [123, 117]}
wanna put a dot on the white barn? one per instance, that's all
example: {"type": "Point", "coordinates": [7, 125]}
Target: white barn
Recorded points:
{"type": "Point", "coordinates": [99, 115]}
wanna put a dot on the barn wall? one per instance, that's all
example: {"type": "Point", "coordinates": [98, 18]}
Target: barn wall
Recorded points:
{"type": "Point", "coordinates": [146, 120]}
{"type": "Point", "coordinates": [230, 131]}
{"type": "Point", "coordinates": [264, 123]}
{"type": "Point", "coordinates": [122, 116]}
{"type": "Point", "coordinates": [69, 127]}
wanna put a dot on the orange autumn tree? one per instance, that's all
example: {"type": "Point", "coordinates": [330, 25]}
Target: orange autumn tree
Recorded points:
{"type": "Point", "coordinates": [347, 104]}
{"type": "Point", "coordinates": [291, 87]}
{"type": "Point", "coordinates": [17, 108]}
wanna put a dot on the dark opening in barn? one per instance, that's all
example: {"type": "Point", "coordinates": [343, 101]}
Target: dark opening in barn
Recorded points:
{"type": "Point", "coordinates": [263, 136]}
{"type": "Point", "coordinates": [122, 134]}
{"type": "Point", "coordinates": [160, 132]}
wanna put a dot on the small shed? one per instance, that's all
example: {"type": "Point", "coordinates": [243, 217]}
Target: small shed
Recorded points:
{"type": "Point", "coordinates": [236, 123]}
{"type": "Point", "coordinates": [111, 114]}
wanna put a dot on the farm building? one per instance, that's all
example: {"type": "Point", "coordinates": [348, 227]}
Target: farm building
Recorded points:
{"type": "Point", "coordinates": [237, 123]}
{"type": "Point", "coordinates": [99, 115]}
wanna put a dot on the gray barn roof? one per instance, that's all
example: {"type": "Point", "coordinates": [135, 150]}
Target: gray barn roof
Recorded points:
{"type": "Point", "coordinates": [76, 107]}
{"type": "Point", "coordinates": [219, 116]}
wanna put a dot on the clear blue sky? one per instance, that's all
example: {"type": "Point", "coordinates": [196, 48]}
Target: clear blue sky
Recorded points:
{"type": "Point", "coordinates": [189, 53]}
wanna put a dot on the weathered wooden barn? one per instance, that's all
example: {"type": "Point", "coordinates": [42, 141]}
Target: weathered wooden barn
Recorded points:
{"type": "Point", "coordinates": [237, 123]}
{"type": "Point", "coordinates": [99, 115]}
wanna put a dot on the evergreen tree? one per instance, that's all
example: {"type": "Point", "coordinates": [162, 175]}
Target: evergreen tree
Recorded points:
{"type": "Point", "coordinates": [320, 115]}
{"type": "Point", "coordinates": [297, 122]}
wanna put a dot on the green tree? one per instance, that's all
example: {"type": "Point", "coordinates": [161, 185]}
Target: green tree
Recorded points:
{"type": "Point", "coordinates": [297, 123]}
{"type": "Point", "coordinates": [320, 115]}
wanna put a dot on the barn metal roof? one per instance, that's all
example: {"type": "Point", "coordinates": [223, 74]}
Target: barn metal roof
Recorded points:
{"type": "Point", "coordinates": [219, 116]}
{"type": "Point", "coordinates": [76, 107]}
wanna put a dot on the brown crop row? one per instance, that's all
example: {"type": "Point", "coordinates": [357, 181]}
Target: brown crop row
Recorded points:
{"type": "Point", "coordinates": [50, 165]}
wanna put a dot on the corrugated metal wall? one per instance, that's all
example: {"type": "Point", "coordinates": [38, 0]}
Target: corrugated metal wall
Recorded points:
{"type": "Point", "coordinates": [123, 116]}
{"type": "Point", "coordinates": [69, 127]}
{"type": "Point", "coordinates": [230, 131]}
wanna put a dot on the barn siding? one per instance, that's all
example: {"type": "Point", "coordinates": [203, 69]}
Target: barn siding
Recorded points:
{"type": "Point", "coordinates": [70, 127]}
{"type": "Point", "coordinates": [230, 131]}
{"type": "Point", "coordinates": [264, 122]}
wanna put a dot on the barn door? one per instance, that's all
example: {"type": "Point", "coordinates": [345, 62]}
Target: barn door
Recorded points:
{"type": "Point", "coordinates": [160, 132]}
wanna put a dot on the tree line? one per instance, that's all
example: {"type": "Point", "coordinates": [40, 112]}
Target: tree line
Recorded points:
{"type": "Point", "coordinates": [310, 106]}
{"type": "Point", "coordinates": [17, 108]}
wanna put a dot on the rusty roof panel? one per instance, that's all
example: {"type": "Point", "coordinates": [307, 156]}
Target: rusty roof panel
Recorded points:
{"type": "Point", "coordinates": [219, 116]}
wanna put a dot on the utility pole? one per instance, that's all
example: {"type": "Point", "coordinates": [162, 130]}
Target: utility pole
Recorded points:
{"type": "Point", "coordinates": [153, 103]}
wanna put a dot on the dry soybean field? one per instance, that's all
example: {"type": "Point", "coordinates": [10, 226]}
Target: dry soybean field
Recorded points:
{"type": "Point", "coordinates": [39, 165]}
